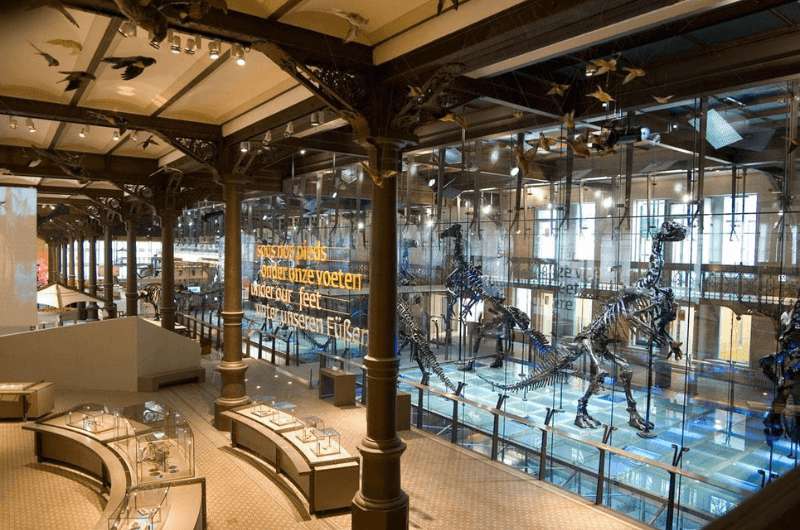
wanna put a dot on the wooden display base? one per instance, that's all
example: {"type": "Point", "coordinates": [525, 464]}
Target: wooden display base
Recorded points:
{"type": "Point", "coordinates": [339, 385]}
{"type": "Point", "coordinates": [26, 400]}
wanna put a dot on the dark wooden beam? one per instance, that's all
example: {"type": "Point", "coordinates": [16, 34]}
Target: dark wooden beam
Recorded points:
{"type": "Point", "coordinates": [44, 110]}
{"type": "Point", "coordinates": [331, 141]}
{"type": "Point", "coordinates": [235, 26]}
{"type": "Point", "coordinates": [89, 192]}
{"type": "Point", "coordinates": [519, 29]}
{"type": "Point", "coordinates": [284, 8]}
{"type": "Point", "coordinates": [118, 169]}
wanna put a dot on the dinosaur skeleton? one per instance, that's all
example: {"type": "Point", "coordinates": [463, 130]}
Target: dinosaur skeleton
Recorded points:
{"type": "Point", "coordinates": [420, 349]}
{"type": "Point", "coordinates": [645, 307]}
{"type": "Point", "coordinates": [783, 369]}
{"type": "Point", "coordinates": [151, 294]}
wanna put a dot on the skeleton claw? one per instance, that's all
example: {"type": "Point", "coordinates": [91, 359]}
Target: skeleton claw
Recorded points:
{"type": "Point", "coordinates": [585, 421]}
{"type": "Point", "coordinates": [675, 349]}
{"type": "Point", "coordinates": [637, 422]}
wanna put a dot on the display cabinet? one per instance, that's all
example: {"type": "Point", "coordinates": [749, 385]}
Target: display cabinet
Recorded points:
{"type": "Point", "coordinates": [312, 425]}
{"type": "Point", "coordinates": [263, 406]}
{"type": "Point", "coordinates": [284, 413]}
{"type": "Point", "coordinates": [144, 509]}
{"type": "Point", "coordinates": [161, 448]}
{"type": "Point", "coordinates": [328, 442]}
{"type": "Point", "coordinates": [93, 418]}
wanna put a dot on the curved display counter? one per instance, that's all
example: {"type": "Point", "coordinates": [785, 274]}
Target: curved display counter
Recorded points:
{"type": "Point", "coordinates": [326, 482]}
{"type": "Point", "coordinates": [92, 443]}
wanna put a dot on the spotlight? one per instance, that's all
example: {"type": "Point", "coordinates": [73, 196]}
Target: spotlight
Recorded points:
{"type": "Point", "coordinates": [82, 132]}
{"type": "Point", "coordinates": [115, 136]}
{"type": "Point", "coordinates": [335, 194]}
{"type": "Point", "coordinates": [678, 187]}
{"type": "Point", "coordinates": [302, 151]}
{"type": "Point", "coordinates": [267, 139]}
{"type": "Point", "coordinates": [214, 49]}
{"type": "Point", "coordinates": [244, 147]}
{"type": "Point", "coordinates": [289, 130]}
{"type": "Point", "coordinates": [264, 218]}
{"type": "Point", "coordinates": [31, 125]}
{"type": "Point", "coordinates": [431, 182]}
{"type": "Point", "coordinates": [174, 43]}
{"type": "Point", "coordinates": [608, 202]}
{"type": "Point", "coordinates": [12, 123]}
{"type": "Point", "coordinates": [514, 171]}
{"type": "Point", "coordinates": [687, 197]}
{"type": "Point", "coordinates": [597, 194]}
{"type": "Point", "coordinates": [361, 225]}
{"type": "Point", "coordinates": [191, 46]}
{"type": "Point", "coordinates": [494, 156]}
{"type": "Point", "coordinates": [238, 53]}
{"type": "Point", "coordinates": [128, 29]}
{"type": "Point", "coordinates": [134, 136]}
{"type": "Point", "coordinates": [486, 209]}
{"type": "Point", "coordinates": [314, 119]}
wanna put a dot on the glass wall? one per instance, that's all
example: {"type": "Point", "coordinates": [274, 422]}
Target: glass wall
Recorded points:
{"type": "Point", "coordinates": [603, 317]}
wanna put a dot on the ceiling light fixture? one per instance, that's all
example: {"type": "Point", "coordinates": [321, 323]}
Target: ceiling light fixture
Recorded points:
{"type": "Point", "coordinates": [12, 123]}
{"type": "Point", "coordinates": [289, 130]}
{"type": "Point", "coordinates": [134, 136]}
{"type": "Point", "coordinates": [431, 182]}
{"type": "Point", "coordinates": [302, 152]}
{"type": "Point", "coordinates": [82, 132]}
{"type": "Point", "coordinates": [360, 225]}
{"type": "Point", "coordinates": [31, 125]}
{"type": "Point", "coordinates": [214, 50]}
{"type": "Point", "coordinates": [238, 53]}
{"type": "Point", "coordinates": [115, 136]}
{"type": "Point", "coordinates": [514, 171]}
{"type": "Point", "coordinates": [335, 194]}
{"type": "Point", "coordinates": [174, 42]}
{"type": "Point", "coordinates": [244, 147]}
{"type": "Point", "coordinates": [191, 46]}
{"type": "Point", "coordinates": [314, 119]}
{"type": "Point", "coordinates": [128, 29]}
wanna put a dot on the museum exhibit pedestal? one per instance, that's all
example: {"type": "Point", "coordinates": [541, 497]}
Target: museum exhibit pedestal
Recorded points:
{"type": "Point", "coordinates": [26, 400]}
{"type": "Point", "coordinates": [403, 411]}
{"type": "Point", "coordinates": [326, 482]}
{"type": "Point", "coordinates": [339, 385]}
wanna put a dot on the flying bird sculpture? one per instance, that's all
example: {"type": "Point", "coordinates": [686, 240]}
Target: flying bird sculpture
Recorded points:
{"type": "Point", "coordinates": [51, 61]}
{"type": "Point", "coordinates": [134, 66]}
{"type": "Point", "coordinates": [150, 141]}
{"type": "Point", "coordinates": [377, 177]}
{"type": "Point", "coordinates": [440, 6]}
{"type": "Point", "coordinates": [600, 95]}
{"type": "Point", "coordinates": [603, 66]}
{"type": "Point", "coordinates": [557, 89]}
{"type": "Point", "coordinates": [663, 100]}
{"type": "Point", "coordinates": [73, 46]}
{"type": "Point", "coordinates": [633, 73]}
{"type": "Point", "coordinates": [452, 117]}
{"type": "Point", "coordinates": [76, 80]}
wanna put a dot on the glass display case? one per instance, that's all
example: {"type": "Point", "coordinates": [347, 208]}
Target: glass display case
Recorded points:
{"type": "Point", "coordinates": [93, 418]}
{"type": "Point", "coordinates": [312, 425]}
{"type": "Point", "coordinates": [144, 509]}
{"type": "Point", "coordinates": [161, 446]}
{"type": "Point", "coordinates": [284, 413]}
{"type": "Point", "coordinates": [328, 442]}
{"type": "Point", "coordinates": [263, 406]}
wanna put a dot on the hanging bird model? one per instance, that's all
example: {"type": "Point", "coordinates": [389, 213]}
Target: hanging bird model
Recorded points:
{"type": "Point", "coordinates": [376, 177]}
{"type": "Point", "coordinates": [557, 89]}
{"type": "Point", "coordinates": [51, 61]}
{"type": "Point", "coordinates": [150, 141]}
{"type": "Point", "coordinates": [73, 46]}
{"type": "Point", "coordinates": [568, 120]}
{"type": "Point", "coordinates": [663, 100]}
{"type": "Point", "coordinates": [115, 121]}
{"type": "Point", "coordinates": [440, 6]}
{"type": "Point", "coordinates": [525, 159]}
{"type": "Point", "coordinates": [600, 95]}
{"type": "Point", "coordinates": [544, 143]}
{"type": "Point", "coordinates": [633, 73]}
{"type": "Point", "coordinates": [603, 66]}
{"type": "Point", "coordinates": [76, 80]}
{"type": "Point", "coordinates": [452, 117]}
{"type": "Point", "coordinates": [134, 66]}
{"type": "Point", "coordinates": [55, 4]}
{"type": "Point", "coordinates": [579, 147]}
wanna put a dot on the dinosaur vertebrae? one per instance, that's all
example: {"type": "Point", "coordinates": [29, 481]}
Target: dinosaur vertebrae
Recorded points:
{"type": "Point", "coordinates": [551, 369]}
{"type": "Point", "coordinates": [423, 354]}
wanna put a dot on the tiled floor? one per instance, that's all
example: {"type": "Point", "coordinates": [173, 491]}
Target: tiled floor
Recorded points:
{"type": "Point", "coordinates": [448, 487]}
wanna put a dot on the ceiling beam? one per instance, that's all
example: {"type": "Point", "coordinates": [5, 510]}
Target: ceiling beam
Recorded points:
{"type": "Point", "coordinates": [279, 119]}
{"type": "Point", "coordinates": [45, 110]}
{"type": "Point", "coordinates": [310, 46]}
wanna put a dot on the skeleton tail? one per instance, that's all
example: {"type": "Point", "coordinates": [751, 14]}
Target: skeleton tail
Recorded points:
{"type": "Point", "coordinates": [550, 370]}
{"type": "Point", "coordinates": [425, 356]}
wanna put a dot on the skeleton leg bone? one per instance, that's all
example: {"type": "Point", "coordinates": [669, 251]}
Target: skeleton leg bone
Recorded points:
{"type": "Point", "coordinates": [626, 374]}
{"type": "Point", "coordinates": [582, 418]}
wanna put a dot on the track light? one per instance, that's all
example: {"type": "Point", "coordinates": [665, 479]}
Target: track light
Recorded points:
{"type": "Point", "coordinates": [214, 49]}
{"type": "Point", "coordinates": [302, 152]}
{"type": "Point", "coordinates": [244, 147]}
{"type": "Point", "coordinates": [31, 125]}
{"type": "Point", "coordinates": [12, 123]}
{"type": "Point", "coordinates": [289, 130]}
{"type": "Point", "coordinates": [360, 225]}
{"type": "Point", "coordinates": [314, 120]}
{"type": "Point", "coordinates": [335, 194]}
{"type": "Point", "coordinates": [514, 171]}
{"type": "Point", "coordinates": [174, 42]}
{"type": "Point", "coordinates": [115, 136]}
{"type": "Point", "coordinates": [128, 29]}
{"type": "Point", "coordinates": [486, 209]}
{"type": "Point", "coordinates": [191, 45]}
{"type": "Point", "coordinates": [134, 136]}
{"type": "Point", "coordinates": [82, 132]}
{"type": "Point", "coordinates": [431, 182]}
{"type": "Point", "coordinates": [608, 202]}
{"type": "Point", "coordinates": [238, 53]}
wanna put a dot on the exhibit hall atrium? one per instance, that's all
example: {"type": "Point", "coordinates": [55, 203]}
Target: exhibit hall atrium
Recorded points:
{"type": "Point", "coordinates": [433, 264]}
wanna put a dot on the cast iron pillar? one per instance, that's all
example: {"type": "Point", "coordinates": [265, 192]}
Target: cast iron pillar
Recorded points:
{"type": "Point", "coordinates": [92, 309]}
{"type": "Point", "coordinates": [232, 368]}
{"type": "Point", "coordinates": [131, 292]}
{"type": "Point", "coordinates": [381, 503]}
{"type": "Point", "coordinates": [71, 273]}
{"type": "Point", "coordinates": [108, 273]}
{"type": "Point", "coordinates": [64, 260]}
{"type": "Point", "coordinates": [51, 263]}
{"type": "Point", "coordinates": [167, 303]}
{"type": "Point", "coordinates": [81, 283]}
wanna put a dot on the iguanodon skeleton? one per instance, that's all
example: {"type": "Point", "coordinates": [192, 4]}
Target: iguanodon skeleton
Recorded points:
{"type": "Point", "coordinates": [646, 307]}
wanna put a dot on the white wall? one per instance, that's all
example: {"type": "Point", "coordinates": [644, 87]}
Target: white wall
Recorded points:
{"type": "Point", "coordinates": [17, 259]}
{"type": "Point", "coordinates": [104, 355]}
